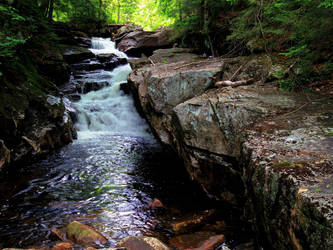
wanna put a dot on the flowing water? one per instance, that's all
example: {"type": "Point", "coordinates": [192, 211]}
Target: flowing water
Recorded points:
{"type": "Point", "coordinates": [107, 178]}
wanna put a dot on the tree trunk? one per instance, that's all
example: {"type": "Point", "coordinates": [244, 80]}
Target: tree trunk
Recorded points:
{"type": "Point", "coordinates": [100, 10]}
{"type": "Point", "coordinates": [50, 15]}
{"type": "Point", "coordinates": [44, 6]}
{"type": "Point", "coordinates": [180, 10]}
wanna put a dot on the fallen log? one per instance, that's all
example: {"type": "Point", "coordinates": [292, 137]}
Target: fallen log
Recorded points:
{"type": "Point", "coordinates": [228, 83]}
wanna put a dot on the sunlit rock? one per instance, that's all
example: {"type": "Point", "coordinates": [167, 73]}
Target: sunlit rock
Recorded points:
{"type": "Point", "coordinates": [142, 243]}
{"type": "Point", "coordinates": [137, 42]}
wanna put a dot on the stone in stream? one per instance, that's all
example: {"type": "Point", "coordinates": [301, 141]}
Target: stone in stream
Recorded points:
{"type": "Point", "coordinates": [125, 88]}
{"type": "Point", "coordinates": [62, 246]}
{"type": "Point", "coordinates": [74, 97]}
{"type": "Point", "coordinates": [156, 204]}
{"type": "Point", "coordinates": [77, 54]}
{"type": "Point", "coordinates": [89, 66]}
{"type": "Point", "coordinates": [106, 57]}
{"type": "Point", "coordinates": [142, 243]}
{"type": "Point", "coordinates": [198, 240]}
{"type": "Point", "coordinates": [84, 235]}
{"type": "Point", "coordinates": [88, 86]}
{"type": "Point", "coordinates": [194, 223]}
{"type": "Point", "coordinates": [114, 62]}
{"type": "Point", "coordinates": [59, 234]}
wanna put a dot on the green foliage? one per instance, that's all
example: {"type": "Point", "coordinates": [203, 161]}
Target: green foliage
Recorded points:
{"type": "Point", "coordinates": [10, 36]}
{"type": "Point", "coordinates": [300, 30]}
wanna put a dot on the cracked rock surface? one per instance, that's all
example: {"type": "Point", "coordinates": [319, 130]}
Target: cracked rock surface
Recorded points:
{"type": "Point", "coordinates": [264, 150]}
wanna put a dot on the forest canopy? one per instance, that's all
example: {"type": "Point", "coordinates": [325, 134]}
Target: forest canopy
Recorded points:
{"type": "Point", "coordinates": [300, 30]}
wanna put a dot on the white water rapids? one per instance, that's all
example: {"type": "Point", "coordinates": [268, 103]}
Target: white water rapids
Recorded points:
{"type": "Point", "coordinates": [109, 109]}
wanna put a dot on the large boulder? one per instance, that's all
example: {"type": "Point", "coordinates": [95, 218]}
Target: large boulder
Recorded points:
{"type": "Point", "coordinates": [139, 42]}
{"type": "Point", "coordinates": [287, 163]}
{"type": "Point", "coordinates": [160, 87]}
{"type": "Point", "coordinates": [125, 30]}
{"type": "Point", "coordinates": [264, 150]}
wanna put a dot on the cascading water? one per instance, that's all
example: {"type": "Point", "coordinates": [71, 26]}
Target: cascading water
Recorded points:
{"type": "Point", "coordinates": [105, 45]}
{"type": "Point", "coordinates": [107, 178]}
{"type": "Point", "coordinates": [109, 110]}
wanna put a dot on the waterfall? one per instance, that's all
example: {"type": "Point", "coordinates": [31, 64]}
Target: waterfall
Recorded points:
{"type": "Point", "coordinates": [105, 45]}
{"type": "Point", "coordinates": [109, 109]}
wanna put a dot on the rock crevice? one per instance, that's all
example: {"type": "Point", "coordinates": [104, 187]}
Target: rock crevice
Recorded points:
{"type": "Point", "coordinates": [256, 147]}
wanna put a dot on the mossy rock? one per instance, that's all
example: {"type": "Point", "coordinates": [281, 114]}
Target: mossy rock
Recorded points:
{"type": "Point", "coordinates": [84, 235]}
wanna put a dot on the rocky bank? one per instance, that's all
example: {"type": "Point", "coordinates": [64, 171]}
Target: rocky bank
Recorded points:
{"type": "Point", "coordinates": [263, 150]}
{"type": "Point", "coordinates": [34, 116]}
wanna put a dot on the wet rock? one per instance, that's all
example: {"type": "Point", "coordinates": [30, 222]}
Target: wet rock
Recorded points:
{"type": "Point", "coordinates": [83, 41]}
{"type": "Point", "coordinates": [106, 57]}
{"type": "Point", "coordinates": [137, 42]}
{"type": "Point", "coordinates": [192, 240]}
{"type": "Point", "coordinates": [114, 62]}
{"type": "Point", "coordinates": [84, 235]}
{"type": "Point", "coordinates": [156, 204]}
{"type": "Point", "coordinates": [62, 246]}
{"type": "Point", "coordinates": [74, 97]}
{"type": "Point", "coordinates": [245, 246]}
{"type": "Point", "coordinates": [60, 234]}
{"type": "Point", "coordinates": [32, 143]}
{"type": "Point", "coordinates": [125, 88]}
{"type": "Point", "coordinates": [70, 88]}
{"type": "Point", "coordinates": [92, 86]}
{"type": "Point", "coordinates": [90, 66]}
{"type": "Point", "coordinates": [4, 155]}
{"type": "Point", "coordinates": [77, 54]}
{"type": "Point", "coordinates": [142, 243]}
{"type": "Point", "coordinates": [194, 223]}
{"type": "Point", "coordinates": [212, 243]}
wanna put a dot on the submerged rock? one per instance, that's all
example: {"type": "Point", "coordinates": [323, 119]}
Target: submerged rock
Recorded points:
{"type": "Point", "coordinates": [212, 243]}
{"type": "Point", "coordinates": [194, 223]}
{"type": "Point", "coordinates": [191, 240]}
{"type": "Point", "coordinates": [105, 57]}
{"type": "Point", "coordinates": [84, 235]}
{"type": "Point", "coordinates": [141, 243]}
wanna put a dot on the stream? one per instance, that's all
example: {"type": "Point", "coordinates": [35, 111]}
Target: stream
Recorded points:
{"type": "Point", "coordinates": [107, 178]}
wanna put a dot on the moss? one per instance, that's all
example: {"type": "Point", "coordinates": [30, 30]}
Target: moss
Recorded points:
{"type": "Point", "coordinates": [283, 164]}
